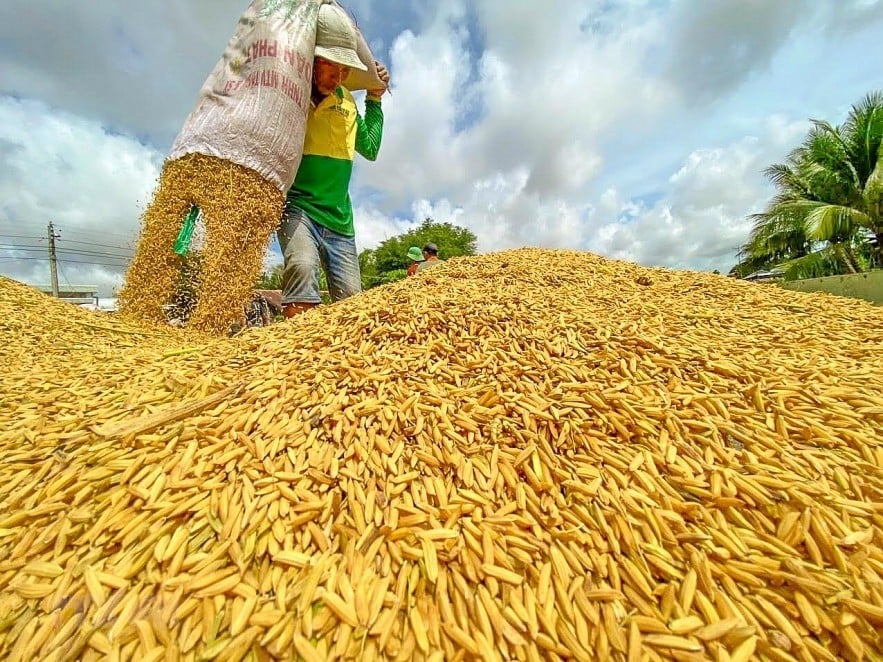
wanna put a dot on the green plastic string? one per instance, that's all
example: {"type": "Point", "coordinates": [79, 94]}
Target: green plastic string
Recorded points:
{"type": "Point", "coordinates": [185, 236]}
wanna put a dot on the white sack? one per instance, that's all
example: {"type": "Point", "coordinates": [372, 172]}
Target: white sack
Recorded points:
{"type": "Point", "coordinates": [252, 109]}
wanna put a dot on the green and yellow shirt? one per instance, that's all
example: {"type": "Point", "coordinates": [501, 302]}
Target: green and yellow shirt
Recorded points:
{"type": "Point", "coordinates": [335, 132]}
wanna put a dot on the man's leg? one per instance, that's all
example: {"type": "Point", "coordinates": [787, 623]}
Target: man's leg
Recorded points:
{"type": "Point", "coordinates": [300, 250]}
{"type": "Point", "coordinates": [341, 262]}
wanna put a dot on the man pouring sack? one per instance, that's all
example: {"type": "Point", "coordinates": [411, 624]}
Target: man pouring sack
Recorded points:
{"type": "Point", "coordinates": [236, 157]}
{"type": "Point", "coordinates": [317, 223]}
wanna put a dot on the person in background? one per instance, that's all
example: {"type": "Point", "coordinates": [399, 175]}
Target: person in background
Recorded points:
{"type": "Point", "coordinates": [317, 222]}
{"type": "Point", "coordinates": [416, 258]}
{"type": "Point", "coordinates": [430, 258]}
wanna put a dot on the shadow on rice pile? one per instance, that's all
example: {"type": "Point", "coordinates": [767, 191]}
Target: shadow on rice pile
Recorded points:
{"type": "Point", "coordinates": [526, 455]}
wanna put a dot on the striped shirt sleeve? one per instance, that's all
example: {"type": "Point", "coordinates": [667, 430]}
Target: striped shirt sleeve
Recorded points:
{"type": "Point", "coordinates": [369, 130]}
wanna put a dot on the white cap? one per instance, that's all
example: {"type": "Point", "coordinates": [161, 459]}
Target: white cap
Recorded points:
{"type": "Point", "coordinates": [336, 38]}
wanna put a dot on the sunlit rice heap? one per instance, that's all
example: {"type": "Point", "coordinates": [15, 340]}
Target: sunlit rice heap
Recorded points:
{"type": "Point", "coordinates": [526, 455]}
{"type": "Point", "coordinates": [48, 346]}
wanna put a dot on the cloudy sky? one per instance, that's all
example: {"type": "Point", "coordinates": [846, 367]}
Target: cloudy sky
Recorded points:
{"type": "Point", "coordinates": [637, 129]}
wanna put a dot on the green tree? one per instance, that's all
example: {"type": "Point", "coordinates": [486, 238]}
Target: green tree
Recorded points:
{"type": "Point", "coordinates": [828, 207]}
{"type": "Point", "coordinates": [389, 260]}
{"type": "Point", "coordinates": [391, 276]}
{"type": "Point", "coordinates": [270, 279]}
{"type": "Point", "coordinates": [368, 268]}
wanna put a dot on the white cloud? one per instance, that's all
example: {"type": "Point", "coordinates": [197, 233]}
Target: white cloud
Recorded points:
{"type": "Point", "coordinates": [420, 151]}
{"type": "Point", "coordinates": [703, 219]}
{"type": "Point", "coordinates": [91, 184]}
{"type": "Point", "coordinates": [722, 43]}
{"type": "Point", "coordinates": [373, 227]}
{"type": "Point", "coordinates": [135, 65]}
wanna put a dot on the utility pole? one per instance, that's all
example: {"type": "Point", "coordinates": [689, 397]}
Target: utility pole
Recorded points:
{"type": "Point", "coordinates": [53, 267]}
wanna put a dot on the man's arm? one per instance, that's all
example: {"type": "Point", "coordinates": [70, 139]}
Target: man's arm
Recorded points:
{"type": "Point", "coordinates": [369, 131]}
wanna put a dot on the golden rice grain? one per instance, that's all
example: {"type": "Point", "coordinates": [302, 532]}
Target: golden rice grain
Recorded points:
{"type": "Point", "coordinates": [505, 462]}
{"type": "Point", "coordinates": [239, 208]}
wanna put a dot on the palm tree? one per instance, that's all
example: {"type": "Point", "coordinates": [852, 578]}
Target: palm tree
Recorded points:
{"type": "Point", "coordinates": [829, 198]}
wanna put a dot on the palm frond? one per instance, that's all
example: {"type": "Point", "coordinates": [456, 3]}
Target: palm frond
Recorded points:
{"type": "Point", "coordinates": [827, 156]}
{"type": "Point", "coordinates": [776, 235]}
{"type": "Point", "coordinates": [829, 192]}
{"type": "Point", "coordinates": [873, 195]}
{"type": "Point", "coordinates": [863, 129]}
{"type": "Point", "coordinates": [827, 222]}
{"type": "Point", "coordinates": [820, 263]}
{"type": "Point", "coordinates": [780, 174]}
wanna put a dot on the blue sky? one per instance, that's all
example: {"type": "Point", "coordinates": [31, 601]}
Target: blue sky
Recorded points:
{"type": "Point", "coordinates": [636, 129]}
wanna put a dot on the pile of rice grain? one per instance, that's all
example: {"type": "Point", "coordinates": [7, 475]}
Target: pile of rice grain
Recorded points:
{"type": "Point", "coordinates": [525, 455]}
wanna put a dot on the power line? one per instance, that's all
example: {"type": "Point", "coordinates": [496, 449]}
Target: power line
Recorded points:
{"type": "Point", "coordinates": [78, 231]}
{"type": "Point", "coordinates": [74, 251]}
{"type": "Point", "coordinates": [17, 258]}
{"type": "Point", "coordinates": [64, 275]}
{"type": "Point", "coordinates": [70, 241]}
{"type": "Point", "coordinates": [89, 243]}
{"type": "Point", "coordinates": [12, 233]}
{"type": "Point", "coordinates": [99, 263]}
{"type": "Point", "coordinates": [61, 254]}
{"type": "Point", "coordinates": [30, 247]}
{"type": "Point", "coordinates": [60, 250]}
{"type": "Point", "coordinates": [74, 231]}
{"type": "Point", "coordinates": [119, 265]}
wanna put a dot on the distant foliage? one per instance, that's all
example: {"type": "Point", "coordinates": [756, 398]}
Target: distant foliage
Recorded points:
{"type": "Point", "coordinates": [391, 276]}
{"type": "Point", "coordinates": [270, 280]}
{"type": "Point", "coordinates": [827, 215]}
{"type": "Point", "coordinates": [389, 260]}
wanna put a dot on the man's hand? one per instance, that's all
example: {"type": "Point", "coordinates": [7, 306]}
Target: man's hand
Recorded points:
{"type": "Point", "coordinates": [383, 75]}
